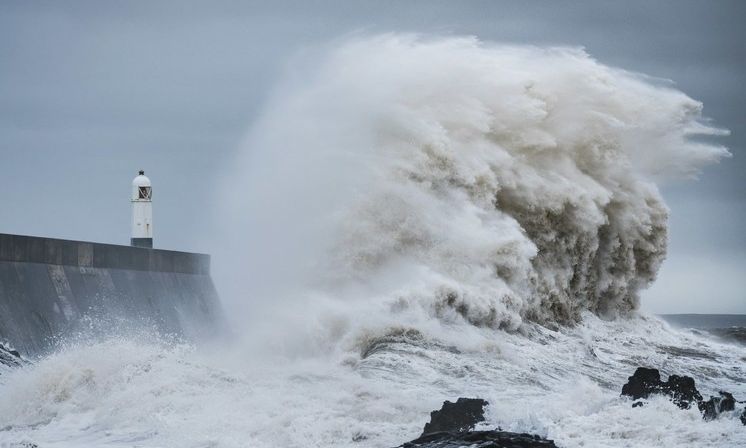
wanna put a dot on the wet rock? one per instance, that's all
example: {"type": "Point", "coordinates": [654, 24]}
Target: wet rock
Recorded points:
{"type": "Point", "coordinates": [463, 415]}
{"type": "Point", "coordinates": [682, 391]}
{"type": "Point", "coordinates": [717, 405]}
{"type": "Point", "coordinates": [645, 382]}
{"type": "Point", "coordinates": [452, 427]}
{"type": "Point", "coordinates": [481, 439]}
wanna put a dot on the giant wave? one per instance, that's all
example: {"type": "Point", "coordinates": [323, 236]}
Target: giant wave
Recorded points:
{"type": "Point", "coordinates": [490, 183]}
{"type": "Point", "coordinates": [415, 219]}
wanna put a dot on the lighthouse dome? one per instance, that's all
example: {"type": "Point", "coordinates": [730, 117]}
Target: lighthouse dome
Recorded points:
{"type": "Point", "coordinates": [141, 188]}
{"type": "Point", "coordinates": [141, 180]}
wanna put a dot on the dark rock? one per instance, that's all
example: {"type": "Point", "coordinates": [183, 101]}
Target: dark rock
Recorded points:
{"type": "Point", "coordinates": [460, 416]}
{"type": "Point", "coordinates": [480, 439]}
{"type": "Point", "coordinates": [645, 382]}
{"type": "Point", "coordinates": [717, 405]}
{"type": "Point", "coordinates": [451, 427]}
{"type": "Point", "coordinates": [681, 390]}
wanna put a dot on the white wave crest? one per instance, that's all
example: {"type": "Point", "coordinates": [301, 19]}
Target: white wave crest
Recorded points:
{"type": "Point", "coordinates": [475, 181]}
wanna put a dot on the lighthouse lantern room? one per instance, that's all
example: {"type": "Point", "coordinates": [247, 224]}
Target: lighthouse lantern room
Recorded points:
{"type": "Point", "coordinates": [142, 211]}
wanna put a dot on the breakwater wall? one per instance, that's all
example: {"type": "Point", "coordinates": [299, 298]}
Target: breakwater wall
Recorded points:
{"type": "Point", "coordinates": [50, 288]}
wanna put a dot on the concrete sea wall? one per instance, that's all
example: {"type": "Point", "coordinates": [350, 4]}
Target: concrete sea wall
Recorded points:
{"type": "Point", "coordinates": [50, 288]}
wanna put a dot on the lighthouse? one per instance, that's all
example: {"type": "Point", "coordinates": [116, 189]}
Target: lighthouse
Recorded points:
{"type": "Point", "coordinates": [142, 211]}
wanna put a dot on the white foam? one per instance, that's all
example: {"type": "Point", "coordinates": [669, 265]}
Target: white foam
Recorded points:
{"type": "Point", "coordinates": [563, 384]}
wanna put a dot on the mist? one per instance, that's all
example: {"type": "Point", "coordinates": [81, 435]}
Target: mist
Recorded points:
{"type": "Point", "coordinates": [404, 178]}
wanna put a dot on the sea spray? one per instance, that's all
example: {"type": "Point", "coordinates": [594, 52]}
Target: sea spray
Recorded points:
{"type": "Point", "coordinates": [406, 178]}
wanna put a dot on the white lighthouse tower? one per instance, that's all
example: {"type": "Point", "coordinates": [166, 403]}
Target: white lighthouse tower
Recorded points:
{"type": "Point", "coordinates": [142, 211]}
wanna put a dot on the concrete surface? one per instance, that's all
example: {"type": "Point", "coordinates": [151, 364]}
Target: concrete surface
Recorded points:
{"type": "Point", "coordinates": [52, 289]}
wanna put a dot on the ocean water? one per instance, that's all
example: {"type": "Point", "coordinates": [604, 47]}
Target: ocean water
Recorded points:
{"type": "Point", "coordinates": [563, 384]}
{"type": "Point", "coordinates": [729, 327]}
{"type": "Point", "coordinates": [413, 220]}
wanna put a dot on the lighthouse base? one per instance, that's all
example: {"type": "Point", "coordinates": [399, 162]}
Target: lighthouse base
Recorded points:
{"type": "Point", "coordinates": [142, 242]}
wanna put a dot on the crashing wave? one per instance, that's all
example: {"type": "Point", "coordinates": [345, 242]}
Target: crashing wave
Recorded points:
{"type": "Point", "coordinates": [475, 181]}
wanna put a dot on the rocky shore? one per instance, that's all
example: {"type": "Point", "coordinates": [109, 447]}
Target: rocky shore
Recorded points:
{"type": "Point", "coordinates": [453, 426]}
{"type": "Point", "coordinates": [682, 391]}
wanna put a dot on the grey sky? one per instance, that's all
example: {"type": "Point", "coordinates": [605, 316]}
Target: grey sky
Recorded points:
{"type": "Point", "coordinates": [90, 92]}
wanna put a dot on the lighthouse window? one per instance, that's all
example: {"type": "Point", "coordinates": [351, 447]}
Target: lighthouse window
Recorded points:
{"type": "Point", "coordinates": [144, 192]}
